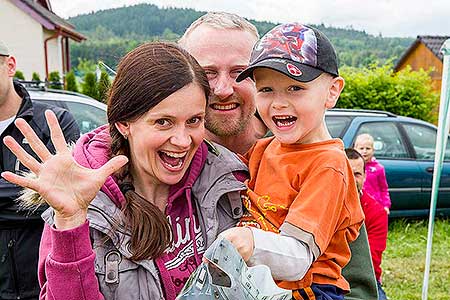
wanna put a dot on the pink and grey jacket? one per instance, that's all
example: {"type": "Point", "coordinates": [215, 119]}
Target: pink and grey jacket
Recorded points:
{"type": "Point", "coordinates": [376, 184]}
{"type": "Point", "coordinates": [93, 262]}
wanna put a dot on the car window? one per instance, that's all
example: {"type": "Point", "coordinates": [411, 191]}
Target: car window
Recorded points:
{"type": "Point", "coordinates": [87, 116]}
{"type": "Point", "coordinates": [423, 139]}
{"type": "Point", "coordinates": [337, 125]}
{"type": "Point", "coordinates": [387, 139]}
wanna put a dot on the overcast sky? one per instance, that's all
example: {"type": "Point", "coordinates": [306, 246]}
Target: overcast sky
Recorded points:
{"type": "Point", "coordinates": [393, 18]}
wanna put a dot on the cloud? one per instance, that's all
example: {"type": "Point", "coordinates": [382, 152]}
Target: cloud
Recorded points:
{"type": "Point", "coordinates": [397, 18]}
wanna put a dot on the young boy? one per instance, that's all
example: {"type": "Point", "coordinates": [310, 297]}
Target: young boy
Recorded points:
{"type": "Point", "coordinates": [375, 184]}
{"type": "Point", "coordinates": [301, 185]}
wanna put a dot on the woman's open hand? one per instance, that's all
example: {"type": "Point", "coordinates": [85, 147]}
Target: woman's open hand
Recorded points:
{"type": "Point", "coordinates": [61, 181]}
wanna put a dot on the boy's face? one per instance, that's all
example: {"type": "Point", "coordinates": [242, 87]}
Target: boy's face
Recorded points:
{"type": "Point", "coordinates": [365, 147]}
{"type": "Point", "coordinates": [293, 110]}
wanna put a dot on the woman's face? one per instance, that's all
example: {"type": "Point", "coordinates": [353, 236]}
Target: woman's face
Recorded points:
{"type": "Point", "coordinates": [164, 140]}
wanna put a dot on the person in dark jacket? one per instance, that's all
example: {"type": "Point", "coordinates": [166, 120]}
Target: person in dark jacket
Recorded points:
{"type": "Point", "coordinates": [20, 231]}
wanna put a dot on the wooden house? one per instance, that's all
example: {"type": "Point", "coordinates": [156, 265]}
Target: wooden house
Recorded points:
{"type": "Point", "coordinates": [425, 53]}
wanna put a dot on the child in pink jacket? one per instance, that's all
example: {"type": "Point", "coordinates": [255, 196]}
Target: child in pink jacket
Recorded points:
{"type": "Point", "coordinates": [375, 184]}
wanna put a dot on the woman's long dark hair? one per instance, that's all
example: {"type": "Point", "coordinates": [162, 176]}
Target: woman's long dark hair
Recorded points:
{"type": "Point", "coordinates": [145, 77]}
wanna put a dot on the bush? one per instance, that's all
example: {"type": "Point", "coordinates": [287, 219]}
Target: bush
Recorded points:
{"type": "Point", "coordinates": [19, 75]}
{"type": "Point", "coordinates": [103, 86]}
{"type": "Point", "coordinates": [89, 86]}
{"type": "Point", "coordinates": [55, 80]}
{"type": "Point", "coordinates": [71, 82]}
{"type": "Point", "coordinates": [35, 77]}
{"type": "Point", "coordinates": [406, 93]}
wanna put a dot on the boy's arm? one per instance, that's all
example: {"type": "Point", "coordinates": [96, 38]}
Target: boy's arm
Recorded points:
{"type": "Point", "coordinates": [288, 258]}
{"type": "Point", "coordinates": [258, 247]}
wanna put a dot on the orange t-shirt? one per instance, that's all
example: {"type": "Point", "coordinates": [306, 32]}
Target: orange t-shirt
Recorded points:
{"type": "Point", "coordinates": [307, 192]}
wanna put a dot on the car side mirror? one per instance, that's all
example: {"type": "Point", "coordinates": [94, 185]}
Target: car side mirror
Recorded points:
{"type": "Point", "coordinates": [377, 145]}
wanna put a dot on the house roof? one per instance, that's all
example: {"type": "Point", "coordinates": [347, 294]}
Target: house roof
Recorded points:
{"type": "Point", "coordinates": [434, 43]}
{"type": "Point", "coordinates": [47, 18]}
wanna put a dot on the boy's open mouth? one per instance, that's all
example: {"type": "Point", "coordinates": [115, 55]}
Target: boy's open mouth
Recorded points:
{"type": "Point", "coordinates": [172, 160]}
{"type": "Point", "coordinates": [284, 121]}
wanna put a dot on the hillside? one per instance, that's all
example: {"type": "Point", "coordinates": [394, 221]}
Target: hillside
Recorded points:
{"type": "Point", "coordinates": [113, 32]}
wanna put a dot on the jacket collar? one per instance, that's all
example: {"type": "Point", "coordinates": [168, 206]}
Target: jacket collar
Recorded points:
{"type": "Point", "coordinates": [26, 108]}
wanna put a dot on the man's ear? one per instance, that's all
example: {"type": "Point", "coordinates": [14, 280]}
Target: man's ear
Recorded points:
{"type": "Point", "coordinates": [123, 127]}
{"type": "Point", "coordinates": [11, 63]}
{"type": "Point", "coordinates": [335, 89]}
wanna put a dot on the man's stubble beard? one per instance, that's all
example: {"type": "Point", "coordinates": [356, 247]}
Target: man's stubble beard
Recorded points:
{"type": "Point", "coordinates": [223, 126]}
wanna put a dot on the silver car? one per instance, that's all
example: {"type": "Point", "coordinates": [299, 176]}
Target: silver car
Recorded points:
{"type": "Point", "coordinates": [88, 112]}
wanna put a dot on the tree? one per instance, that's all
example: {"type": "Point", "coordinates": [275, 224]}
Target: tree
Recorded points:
{"type": "Point", "coordinates": [19, 75]}
{"type": "Point", "coordinates": [407, 93]}
{"type": "Point", "coordinates": [103, 86]}
{"type": "Point", "coordinates": [55, 80]}
{"type": "Point", "coordinates": [71, 82]}
{"type": "Point", "coordinates": [89, 86]}
{"type": "Point", "coordinates": [35, 77]}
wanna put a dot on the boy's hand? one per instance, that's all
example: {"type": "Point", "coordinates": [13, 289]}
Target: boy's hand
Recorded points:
{"type": "Point", "coordinates": [242, 240]}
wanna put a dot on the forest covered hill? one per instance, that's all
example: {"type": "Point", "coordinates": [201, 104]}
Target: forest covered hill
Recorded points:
{"type": "Point", "coordinates": [113, 32]}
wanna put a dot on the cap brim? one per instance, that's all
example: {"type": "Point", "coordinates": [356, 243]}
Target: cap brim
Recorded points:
{"type": "Point", "coordinates": [306, 74]}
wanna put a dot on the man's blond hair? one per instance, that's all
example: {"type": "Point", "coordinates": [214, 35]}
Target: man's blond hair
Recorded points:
{"type": "Point", "coordinates": [220, 20]}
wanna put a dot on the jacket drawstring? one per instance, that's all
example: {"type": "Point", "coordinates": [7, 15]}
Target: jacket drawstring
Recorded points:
{"type": "Point", "coordinates": [198, 260]}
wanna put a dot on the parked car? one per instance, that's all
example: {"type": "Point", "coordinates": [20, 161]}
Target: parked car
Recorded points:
{"type": "Point", "coordinates": [89, 113]}
{"type": "Point", "coordinates": [405, 147]}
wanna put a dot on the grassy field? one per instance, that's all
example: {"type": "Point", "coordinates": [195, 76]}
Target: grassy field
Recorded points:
{"type": "Point", "coordinates": [404, 260]}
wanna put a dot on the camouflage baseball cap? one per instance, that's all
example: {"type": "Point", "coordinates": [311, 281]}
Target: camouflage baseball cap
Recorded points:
{"type": "Point", "coordinates": [4, 51]}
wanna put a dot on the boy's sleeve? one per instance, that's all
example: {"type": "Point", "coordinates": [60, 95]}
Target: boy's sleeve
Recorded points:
{"type": "Point", "coordinates": [272, 248]}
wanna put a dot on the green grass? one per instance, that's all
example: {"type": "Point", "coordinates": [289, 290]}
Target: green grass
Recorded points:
{"type": "Point", "coordinates": [404, 260]}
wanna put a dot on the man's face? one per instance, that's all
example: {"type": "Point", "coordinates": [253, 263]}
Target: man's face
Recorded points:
{"type": "Point", "coordinates": [224, 54]}
{"type": "Point", "coordinates": [358, 172]}
{"type": "Point", "coordinates": [7, 71]}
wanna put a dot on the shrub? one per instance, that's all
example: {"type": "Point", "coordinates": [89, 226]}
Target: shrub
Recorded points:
{"type": "Point", "coordinates": [103, 86]}
{"type": "Point", "coordinates": [407, 93]}
{"type": "Point", "coordinates": [35, 77]}
{"type": "Point", "coordinates": [19, 75]}
{"type": "Point", "coordinates": [71, 82]}
{"type": "Point", "coordinates": [89, 86]}
{"type": "Point", "coordinates": [55, 80]}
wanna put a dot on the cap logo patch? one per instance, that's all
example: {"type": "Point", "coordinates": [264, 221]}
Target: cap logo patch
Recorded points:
{"type": "Point", "coordinates": [293, 70]}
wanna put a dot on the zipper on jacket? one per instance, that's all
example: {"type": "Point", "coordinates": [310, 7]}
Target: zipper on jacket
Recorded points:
{"type": "Point", "coordinates": [11, 244]}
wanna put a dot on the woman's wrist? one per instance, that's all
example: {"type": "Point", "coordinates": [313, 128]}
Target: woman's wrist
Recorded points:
{"type": "Point", "coordinates": [70, 222]}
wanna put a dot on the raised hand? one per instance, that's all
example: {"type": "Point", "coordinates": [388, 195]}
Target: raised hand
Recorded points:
{"type": "Point", "coordinates": [61, 181]}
